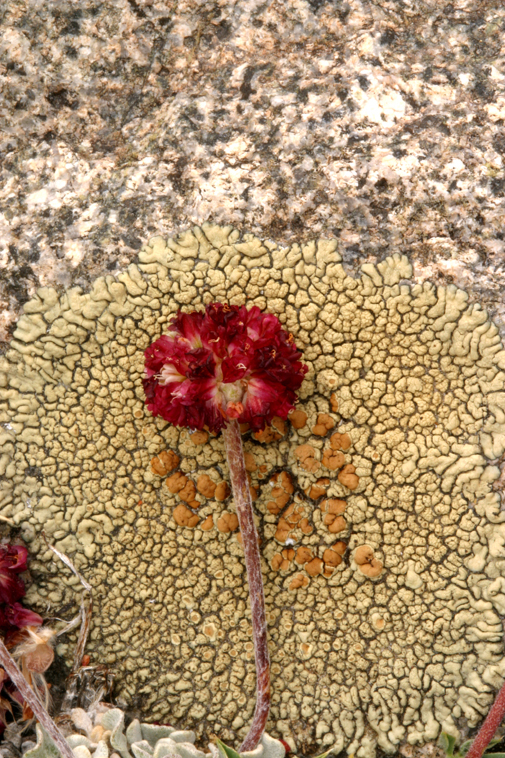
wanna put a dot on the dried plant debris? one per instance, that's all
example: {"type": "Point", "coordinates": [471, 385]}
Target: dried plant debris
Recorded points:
{"type": "Point", "coordinates": [382, 535]}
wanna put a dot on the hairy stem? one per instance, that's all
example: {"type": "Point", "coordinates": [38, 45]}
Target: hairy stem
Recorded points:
{"type": "Point", "coordinates": [11, 669]}
{"type": "Point", "coordinates": [489, 727]}
{"type": "Point", "coordinates": [243, 504]}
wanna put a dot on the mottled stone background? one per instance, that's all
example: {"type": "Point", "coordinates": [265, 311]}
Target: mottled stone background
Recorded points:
{"type": "Point", "coordinates": [380, 123]}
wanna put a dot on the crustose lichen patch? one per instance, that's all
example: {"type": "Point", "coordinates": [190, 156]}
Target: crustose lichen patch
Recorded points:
{"type": "Point", "coordinates": [381, 534]}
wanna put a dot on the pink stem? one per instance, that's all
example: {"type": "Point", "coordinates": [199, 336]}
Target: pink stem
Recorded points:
{"type": "Point", "coordinates": [489, 727]}
{"type": "Point", "coordinates": [40, 713]}
{"type": "Point", "coordinates": [243, 504]}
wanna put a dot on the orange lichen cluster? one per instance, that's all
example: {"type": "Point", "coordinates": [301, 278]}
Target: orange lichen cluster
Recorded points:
{"type": "Point", "coordinates": [272, 433]}
{"type": "Point", "coordinates": [313, 565]}
{"type": "Point", "coordinates": [323, 425]}
{"type": "Point", "coordinates": [332, 457]}
{"type": "Point", "coordinates": [317, 490]}
{"type": "Point", "coordinates": [298, 581]}
{"type": "Point", "coordinates": [250, 463]}
{"type": "Point", "coordinates": [227, 522]}
{"type": "Point", "coordinates": [367, 564]}
{"type": "Point", "coordinates": [293, 518]}
{"type": "Point", "coordinates": [199, 437]}
{"type": "Point", "coordinates": [179, 484]}
{"type": "Point", "coordinates": [165, 462]}
{"type": "Point", "coordinates": [282, 489]}
{"type": "Point", "coordinates": [206, 486]}
{"type": "Point", "coordinates": [348, 477]}
{"type": "Point", "coordinates": [281, 561]}
{"type": "Point", "coordinates": [332, 556]}
{"type": "Point", "coordinates": [183, 516]}
{"type": "Point", "coordinates": [182, 486]}
{"type": "Point", "coordinates": [297, 419]}
{"type": "Point", "coordinates": [333, 509]}
{"type": "Point", "coordinates": [208, 524]}
{"type": "Point", "coordinates": [222, 491]}
{"type": "Point", "coordinates": [307, 457]}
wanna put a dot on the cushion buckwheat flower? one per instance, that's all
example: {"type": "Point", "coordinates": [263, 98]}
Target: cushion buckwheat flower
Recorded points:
{"type": "Point", "coordinates": [218, 369]}
{"type": "Point", "coordinates": [12, 562]}
{"type": "Point", "coordinates": [226, 363]}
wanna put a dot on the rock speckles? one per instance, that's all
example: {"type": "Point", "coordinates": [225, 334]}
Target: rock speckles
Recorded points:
{"type": "Point", "coordinates": [411, 379]}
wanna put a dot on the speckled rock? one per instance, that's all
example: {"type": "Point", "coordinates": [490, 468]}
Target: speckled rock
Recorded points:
{"type": "Point", "coordinates": [379, 123]}
{"type": "Point", "coordinates": [382, 534]}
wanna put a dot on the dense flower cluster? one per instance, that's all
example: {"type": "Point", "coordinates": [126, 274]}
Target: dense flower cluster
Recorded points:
{"type": "Point", "coordinates": [226, 363]}
{"type": "Point", "coordinates": [16, 622]}
{"type": "Point", "coordinates": [12, 588]}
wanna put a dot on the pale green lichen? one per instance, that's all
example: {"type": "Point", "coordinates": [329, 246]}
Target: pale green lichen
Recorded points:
{"type": "Point", "coordinates": [419, 378]}
{"type": "Point", "coordinates": [102, 734]}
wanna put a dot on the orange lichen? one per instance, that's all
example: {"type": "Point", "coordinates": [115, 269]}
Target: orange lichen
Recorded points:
{"type": "Point", "coordinates": [299, 580]}
{"type": "Point", "coordinates": [222, 491]}
{"type": "Point", "coordinates": [306, 456]}
{"type": "Point", "coordinates": [228, 522]}
{"type": "Point", "coordinates": [165, 462]}
{"type": "Point", "coordinates": [323, 425]}
{"type": "Point", "coordinates": [281, 492]}
{"type": "Point", "coordinates": [269, 433]}
{"type": "Point", "coordinates": [340, 441]}
{"type": "Point", "coordinates": [333, 402]}
{"type": "Point", "coordinates": [176, 482]}
{"type": "Point", "coordinates": [250, 463]}
{"type": "Point", "coordinates": [293, 514]}
{"type": "Point", "coordinates": [332, 556]}
{"type": "Point", "coordinates": [317, 490]}
{"type": "Point", "coordinates": [348, 478]}
{"type": "Point", "coordinates": [314, 567]}
{"type": "Point", "coordinates": [188, 493]}
{"type": "Point", "coordinates": [208, 524]}
{"type": "Point", "coordinates": [281, 561]}
{"type": "Point", "coordinates": [184, 517]}
{"type": "Point", "coordinates": [205, 485]}
{"type": "Point", "coordinates": [279, 424]}
{"type": "Point", "coordinates": [303, 555]}
{"type": "Point", "coordinates": [367, 564]}
{"type": "Point", "coordinates": [276, 561]}
{"type": "Point", "coordinates": [297, 419]}
{"type": "Point", "coordinates": [199, 437]}
{"type": "Point", "coordinates": [305, 526]}
{"type": "Point", "coordinates": [283, 530]}
{"type": "Point", "coordinates": [333, 519]}
{"type": "Point", "coordinates": [333, 460]}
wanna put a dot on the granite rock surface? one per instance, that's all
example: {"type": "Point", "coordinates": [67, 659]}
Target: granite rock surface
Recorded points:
{"type": "Point", "coordinates": [378, 123]}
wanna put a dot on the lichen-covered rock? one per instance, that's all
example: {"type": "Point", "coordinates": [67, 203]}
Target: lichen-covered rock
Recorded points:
{"type": "Point", "coordinates": [395, 645]}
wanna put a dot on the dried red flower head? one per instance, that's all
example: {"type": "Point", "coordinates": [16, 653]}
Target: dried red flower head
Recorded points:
{"type": "Point", "coordinates": [226, 363]}
{"type": "Point", "coordinates": [12, 562]}
{"type": "Point", "coordinates": [14, 616]}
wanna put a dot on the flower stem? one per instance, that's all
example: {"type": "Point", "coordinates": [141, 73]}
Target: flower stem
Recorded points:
{"type": "Point", "coordinates": [243, 504]}
{"type": "Point", "coordinates": [11, 669]}
{"type": "Point", "coordinates": [489, 727]}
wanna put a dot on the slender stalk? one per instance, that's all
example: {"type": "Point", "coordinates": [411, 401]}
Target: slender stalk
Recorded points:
{"type": "Point", "coordinates": [243, 504]}
{"type": "Point", "coordinates": [40, 713]}
{"type": "Point", "coordinates": [489, 727]}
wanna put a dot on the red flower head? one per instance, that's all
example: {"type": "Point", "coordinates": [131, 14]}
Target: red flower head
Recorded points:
{"type": "Point", "coordinates": [12, 563]}
{"type": "Point", "coordinates": [16, 617]}
{"type": "Point", "coordinates": [226, 363]}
